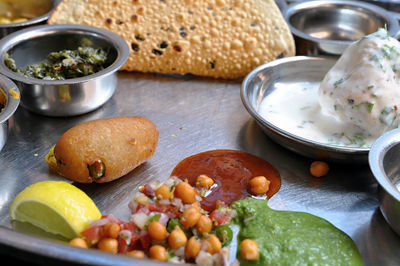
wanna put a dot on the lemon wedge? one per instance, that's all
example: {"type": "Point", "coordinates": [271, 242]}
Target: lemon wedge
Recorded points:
{"type": "Point", "coordinates": [56, 207]}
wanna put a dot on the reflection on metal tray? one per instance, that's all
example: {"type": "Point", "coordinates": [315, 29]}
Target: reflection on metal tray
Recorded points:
{"type": "Point", "coordinates": [192, 115]}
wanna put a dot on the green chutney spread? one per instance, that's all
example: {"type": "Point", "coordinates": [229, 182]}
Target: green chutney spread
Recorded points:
{"type": "Point", "coordinates": [63, 65]}
{"type": "Point", "coordinates": [292, 238]}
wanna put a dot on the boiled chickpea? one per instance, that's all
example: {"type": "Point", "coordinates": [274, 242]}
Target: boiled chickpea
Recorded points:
{"type": "Point", "coordinates": [163, 192]}
{"type": "Point", "coordinates": [259, 185]}
{"type": "Point", "coordinates": [157, 230]}
{"type": "Point", "coordinates": [158, 252]}
{"type": "Point", "coordinates": [142, 200]}
{"type": "Point", "coordinates": [112, 230]}
{"type": "Point", "coordinates": [212, 244]}
{"type": "Point", "coordinates": [192, 248]}
{"type": "Point", "coordinates": [204, 225]}
{"type": "Point", "coordinates": [319, 169]}
{"type": "Point", "coordinates": [204, 181]}
{"type": "Point", "coordinates": [177, 238]}
{"type": "Point", "coordinates": [108, 245]}
{"type": "Point", "coordinates": [78, 242]}
{"type": "Point", "coordinates": [190, 216]}
{"type": "Point", "coordinates": [185, 192]}
{"type": "Point", "coordinates": [136, 254]}
{"type": "Point", "coordinates": [249, 250]}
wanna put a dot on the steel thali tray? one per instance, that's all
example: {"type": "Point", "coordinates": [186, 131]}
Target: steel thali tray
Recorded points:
{"type": "Point", "coordinates": [192, 115]}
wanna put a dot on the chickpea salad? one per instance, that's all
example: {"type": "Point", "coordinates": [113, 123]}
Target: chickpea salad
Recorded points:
{"type": "Point", "coordinates": [168, 223]}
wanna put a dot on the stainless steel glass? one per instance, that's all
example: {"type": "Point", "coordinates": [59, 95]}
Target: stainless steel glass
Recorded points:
{"type": "Point", "coordinates": [327, 27]}
{"type": "Point", "coordinates": [384, 160]}
{"type": "Point", "coordinates": [6, 88]}
{"type": "Point", "coordinates": [63, 97]}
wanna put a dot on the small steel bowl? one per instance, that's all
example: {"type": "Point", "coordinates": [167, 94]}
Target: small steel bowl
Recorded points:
{"type": "Point", "coordinates": [10, 93]}
{"type": "Point", "coordinates": [6, 29]}
{"type": "Point", "coordinates": [294, 72]}
{"type": "Point", "coordinates": [391, 5]}
{"type": "Point", "coordinates": [329, 27]}
{"type": "Point", "coordinates": [63, 97]}
{"type": "Point", "coordinates": [384, 161]}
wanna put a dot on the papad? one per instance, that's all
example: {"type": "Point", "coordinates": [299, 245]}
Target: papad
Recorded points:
{"type": "Point", "coordinates": [217, 38]}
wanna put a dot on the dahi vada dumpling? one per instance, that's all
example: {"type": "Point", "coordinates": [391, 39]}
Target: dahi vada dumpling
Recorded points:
{"type": "Point", "coordinates": [363, 87]}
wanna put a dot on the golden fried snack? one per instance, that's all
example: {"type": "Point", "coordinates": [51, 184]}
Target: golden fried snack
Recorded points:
{"type": "Point", "coordinates": [103, 150]}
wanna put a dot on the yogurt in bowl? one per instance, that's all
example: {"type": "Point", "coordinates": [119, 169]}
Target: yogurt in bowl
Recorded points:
{"type": "Point", "coordinates": [328, 109]}
{"type": "Point", "coordinates": [356, 102]}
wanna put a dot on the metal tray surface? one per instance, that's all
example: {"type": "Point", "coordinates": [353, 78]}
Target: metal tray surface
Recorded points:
{"type": "Point", "coordinates": [192, 115]}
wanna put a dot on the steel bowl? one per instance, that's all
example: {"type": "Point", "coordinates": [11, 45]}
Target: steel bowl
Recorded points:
{"type": "Point", "coordinates": [384, 161]}
{"type": "Point", "coordinates": [328, 27]}
{"type": "Point", "coordinates": [6, 29]}
{"type": "Point", "coordinates": [391, 5]}
{"type": "Point", "coordinates": [10, 93]}
{"type": "Point", "coordinates": [294, 72]}
{"type": "Point", "coordinates": [63, 97]}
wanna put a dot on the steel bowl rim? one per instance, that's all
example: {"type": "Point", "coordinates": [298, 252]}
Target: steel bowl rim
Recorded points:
{"type": "Point", "coordinates": [20, 36]}
{"type": "Point", "coordinates": [284, 133]}
{"type": "Point", "coordinates": [34, 20]}
{"type": "Point", "coordinates": [375, 160]}
{"type": "Point", "coordinates": [293, 8]}
{"type": "Point", "coordinates": [12, 103]}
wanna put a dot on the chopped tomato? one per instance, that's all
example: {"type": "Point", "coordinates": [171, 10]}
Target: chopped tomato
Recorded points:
{"type": "Point", "coordinates": [171, 210]}
{"type": "Point", "coordinates": [145, 239]}
{"type": "Point", "coordinates": [220, 216]}
{"type": "Point", "coordinates": [112, 219]}
{"type": "Point", "coordinates": [142, 208]}
{"type": "Point", "coordinates": [93, 234]}
{"type": "Point", "coordinates": [123, 246]}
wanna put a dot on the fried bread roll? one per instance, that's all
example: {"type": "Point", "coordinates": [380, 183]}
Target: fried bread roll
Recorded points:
{"type": "Point", "coordinates": [103, 150]}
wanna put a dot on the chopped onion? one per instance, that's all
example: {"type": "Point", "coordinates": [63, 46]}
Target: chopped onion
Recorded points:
{"type": "Point", "coordinates": [177, 202]}
{"type": "Point", "coordinates": [148, 190]}
{"type": "Point", "coordinates": [99, 222]}
{"type": "Point", "coordinates": [133, 206]}
{"type": "Point", "coordinates": [142, 233]}
{"type": "Point", "coordinates": [173, 180]}
{"type": "Point", "coordinates": [204, 258]}
{"type": "Point", "coordinates": [180, 252]}
{"type": "Point", "coordinates": [164, 219]}
{"type": "Point", "coordinates": [225, 252]}
{"type": "Point", "coordinates": [156, 184]}
{"type": "Point", "coordinates": [235, 263]}
{"type": "Point", "coordinates": [126, 235]}
{"type": "Point", "coordinates": [140, 219]}
{"type": "Point", "coordinates": [164, 202]}
{"type": "Point", "coordinates": [185, 206]}
{"type": "Point", "coordinates": [198, 198]}
{"type": "Point", "coordinates": [107, 219]}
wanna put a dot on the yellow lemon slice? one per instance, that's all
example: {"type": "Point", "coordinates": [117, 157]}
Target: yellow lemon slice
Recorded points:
{"type": "Point", "coordinates": [56, 207]}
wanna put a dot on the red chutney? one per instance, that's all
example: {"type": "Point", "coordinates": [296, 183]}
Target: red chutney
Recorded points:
{"type": "Point", "coordinates": [231, 171]}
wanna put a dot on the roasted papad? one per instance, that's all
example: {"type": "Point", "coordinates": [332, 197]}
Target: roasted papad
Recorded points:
{"type": "Point", "coordinates": [216, 38]}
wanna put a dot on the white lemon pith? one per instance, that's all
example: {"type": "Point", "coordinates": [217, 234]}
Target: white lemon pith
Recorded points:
{"type": "Point", "coordinates": [56, 207]}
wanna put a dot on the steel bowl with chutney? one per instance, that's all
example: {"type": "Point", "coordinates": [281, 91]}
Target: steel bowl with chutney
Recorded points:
{"type": "Point", "coordinates": [71, 96]}
{"type": "Point", "coordinates": [9, 101]}
{"type": "Point", "coordinates": [19, 14]}
{"type": "Point", "coordinates": [328, 27]}
{"type": "Point", "coordinates": [384, 161]}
